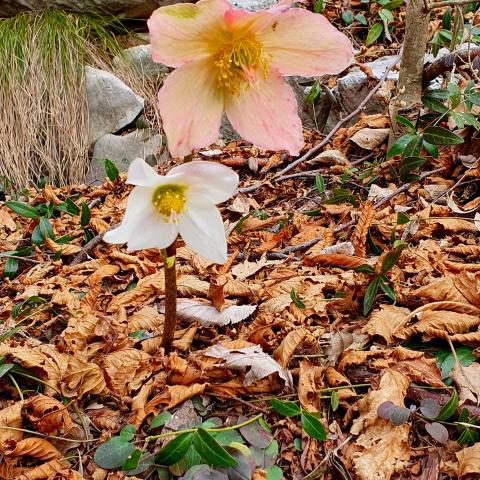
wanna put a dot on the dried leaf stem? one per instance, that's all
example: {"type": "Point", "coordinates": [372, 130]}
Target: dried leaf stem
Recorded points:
{"type": "Point", "coordinates": [170, 297]}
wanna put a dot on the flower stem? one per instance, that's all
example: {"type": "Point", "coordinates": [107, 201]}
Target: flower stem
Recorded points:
{"type": "Point", "coordinates": [170, 298]}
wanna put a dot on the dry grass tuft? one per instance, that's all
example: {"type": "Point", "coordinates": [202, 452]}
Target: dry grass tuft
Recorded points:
{"type": "Point", "coordinates": [43, 110]}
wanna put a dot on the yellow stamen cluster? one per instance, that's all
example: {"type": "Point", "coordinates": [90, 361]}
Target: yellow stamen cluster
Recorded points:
{"type": "Point", "coordinates": [169, 201]}
{"type": "Point", "coordinates": [237, 61]}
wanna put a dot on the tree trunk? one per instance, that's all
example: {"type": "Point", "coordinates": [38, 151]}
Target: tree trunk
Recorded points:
{"type": "Point", "coordinates": [408, 100]}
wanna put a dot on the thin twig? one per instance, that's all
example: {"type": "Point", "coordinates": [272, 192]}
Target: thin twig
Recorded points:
{"type": "Point", "coordinates": [240, 400]}
{"type": "Point", "coordinates": [344, 226]}
{"type": "Point", "coordinates": [340, 123]}
{"type": "Point", "coordinates": [17, 257]}
{"type": "Point", "coordinates": [449, 3]}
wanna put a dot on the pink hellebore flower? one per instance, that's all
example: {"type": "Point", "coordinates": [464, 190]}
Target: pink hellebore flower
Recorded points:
{"type": "Point", "coordinates": [233, 60]}
{"type": "Point", "coordinates": [183, 201]}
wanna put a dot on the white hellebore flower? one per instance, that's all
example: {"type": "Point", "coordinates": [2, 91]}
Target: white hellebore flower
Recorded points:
{"type": "Point", "coordinates": [181, 202]}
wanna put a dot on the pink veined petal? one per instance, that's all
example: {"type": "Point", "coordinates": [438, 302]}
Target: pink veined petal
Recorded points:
{"type": "Point", "coordinates": [239, 21]}
{"type": "Point", "coordinates": [201, 228]}
{"type": "Point", "coordinates": [183, 32]}
{"type": "Point", "coordinates": [305, 43]}
{"type": "Point", "coordinates": [209, 182]}
{"type": "Point", "coordinates": [139, 207]}
{"type": "Point", "coordinates": [191, 107]}
{"type": "Point", "coordinates": [266, 114]}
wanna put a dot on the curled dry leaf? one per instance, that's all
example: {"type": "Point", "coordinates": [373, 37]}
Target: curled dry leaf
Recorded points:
{"type": "Point", "coordinates": [360, 233]}
{"type": "Point", "coordinates": [43, 472]}
{"type": "Point", "coordinates": [261, 365]}
{"type": "Point", "coordinates": [11, 417]}
{"type": "Point", "coordinates": [47, 415]}
{"type": "Point", "coordinates": [468, 380]}
{"type": "Point", "coordinates": [206, 314]}
{"type": "Point", "coordinates": [384, 321]}
{"type": "Point", "coordinates": [289, 344]}
{"type": "Point", "coordinates": [38, 448]}
{"type": "Point", "coordinates": [370, 138]}
{"type": "Point", "coordinates": [382, 447]}
{"type": "Point", "coordinates": [469, 462]}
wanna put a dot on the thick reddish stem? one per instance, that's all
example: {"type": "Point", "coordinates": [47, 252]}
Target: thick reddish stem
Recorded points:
{"type": "Point", "coordinates": [170, 299]}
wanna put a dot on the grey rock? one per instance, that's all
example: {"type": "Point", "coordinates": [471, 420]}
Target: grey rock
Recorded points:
{"type": "Point", "coordinates": [112, 105]}
{"type": "Point", "coordinates": [253, 5]}
{"type": "Point", "coordinates": [140, 58]}
{"type": "Point", "coordinates": [122, 8]}
{"type": "Point", "coordinates": [122, 150]}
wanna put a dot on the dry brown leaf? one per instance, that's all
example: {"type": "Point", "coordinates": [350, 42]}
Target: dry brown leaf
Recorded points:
{"type": "Point", "coordinates": [360, 233]}
{"type": "Point", "coordinates": [260, 364]}
{"type": "Point", "coordinates": [82, 378]}
{"type": "Point", "coordinates": [289, 344]}
{"type": "Point", "coordinates": [189, 285]}
{"type": "Point", "coordinates": [6, 220]}
{"type": "Point", "coordinates": [104, 418]}
{"type": "Point", "coordinates": [38, 448]}
{"type": "Point", "coordinates": [11, 417]}
{"type": "Point", "coordinates": [205, 314]}
{"type": "Point", "coordinates": [66, 474]}
{"type": "Point", "coordinates": [147, 288]}
{"type": "Point", "coordinates": [384, 321]}
{"type": "Point", "coordinates": [383, 448]}
{"type": "Point", "coordinates": [370, 138]}
{"type": "Point", "coordinates": [126, 369]}
{"type": "Point", "coordinates": [334, 260]}
{"type": "Point", "coordinates": [64, 249]}
{"type": "Point", "coordinates": [42, 472]}
{"type": "Point", "coordinates": [216, 291]}
{"type": "Point", "coordinates": [469, 462]}
{"type": "Point", "coordinates": [47, 415]}
{"type": "Point", "coordinates": [468, 380]}
{"type": "Point", "coordinates": [176, 394]}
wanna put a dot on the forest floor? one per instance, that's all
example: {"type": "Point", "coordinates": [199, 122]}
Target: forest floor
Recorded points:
{"type": "Point", "coordinates": [339, 341]}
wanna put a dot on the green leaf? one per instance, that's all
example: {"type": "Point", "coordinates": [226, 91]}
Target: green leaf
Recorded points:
{"type": "Point", "coordinates": [113, 453]}
{"type": "Point", "coordinates": [449, 409]}
{"type": "Point", "coordinates": [408, 164]}
{"type": "Point", "coordinates": [347, 17]}
{"type": "Point", "coordinates": [446, 359]}
{"type": "Point", "coordinates": [434, 104]}
{"type": "Point", "coordinates": [22, 209]}
{"type": "Point", "coordinates": [285, 408]}
{"type": "Point", "coordinates": [296, 299]}
{"type": "Point", "coordinates": [5, 368]}
{"type": "Point", "coordinates": [128, 432]}
{"type": "Point", "coordinates": [385, 15]}
{"type": "Point", "coordinates": [318, 6]}
{"type": "Point", "coordinates": [10, 268]}
{"type": "Point", "coordinates": [455, 94]}
{"type": "Point", "coordinates": [111, 170]}
{"type": "Point", "coordinates": [431, 149]}
{"type": "Point", "coordinates": [45, 228]}
{"type": "Point", "coordinates": [447, 18]}
{"type": "Point", "coordinates": [368, 269]}
{"type": "Point", "coordinates": [161, 420]}
{"type": "Point", "coordinates": [402, 218]}
{"type": "Point", "coordinates": [405, 122]}
{"type": "Point", "coordinates": [131, 463]}
{"type": "Point", "coordinates": [370, 294]}
{"type": "Point", "coordinates": [392, 257]}
{"type": "Point", "coordinates": [334, 400]}
{"type": "Point", "coordinates": [359, 17]}
{"type": "Point", "coordinates": [320, 184]}
{"type": "Point", "coordinates": [174, 450]}
{"type": "Point", "coordinates": [413, 148]}
{"type": "Point", "coordinates": [386, 288]}
{"type": "Point", "coordinates": [26, 306]}
{"type": "Point", "coordinates": [274, 473]}
{"type": "Point", "coordinates": [441, 136]}
{"type": "Point", "coordinates": [86, 215]}
{"type": "Point", "coordinates": [313, 426]}
{"type": "Point", "coordinates": [399, 146]}
{"type": "Point", "coordinates": [211, 450]}
{"type": "Point", "coordinates": [374, 33]}
{"type": "Point", "coordinates": [313, 93]}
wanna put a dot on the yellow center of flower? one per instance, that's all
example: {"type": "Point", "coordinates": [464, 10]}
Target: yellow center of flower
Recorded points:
{"type": "Point", "coordinates": [237, 61]}
{"type": "Point", "coordinates": [169, 201]}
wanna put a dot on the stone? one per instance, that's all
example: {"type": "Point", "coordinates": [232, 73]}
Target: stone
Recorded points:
{"type": "Point", "coordinates": [121, 8]}
{"type": "Point", "coordinates": [140, 58]}
{"type": "Point", "coordinates": [253, 5]}
{"type": "Point", "coordinates": [122, 150]}
{"type": "Point", "coordinates": [112, 105]}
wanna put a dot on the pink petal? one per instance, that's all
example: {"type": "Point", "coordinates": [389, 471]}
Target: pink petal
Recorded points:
{"type": "Point", "coordinates": [305, 43]}
{"type": "Point", "coordinates": [191, 107]}
{"type": "Point", "coordinates": [183, 32]}
{"type": "Point", "coordinates": [266, 114]}
{"type": "Point", "coordinates": [209, 182]}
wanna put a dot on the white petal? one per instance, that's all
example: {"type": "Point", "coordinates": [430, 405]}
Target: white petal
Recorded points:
{"type": "Point", "coordinates": [143, 175]}
{"type": "Point", "coordinates": [139, 207]}
{"type": "Point", "coordinates": [202, 229]}
{"type": "Point", "coordinates": [152, 232]}
{"type": "Point", "coordinates": [209, 182]}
